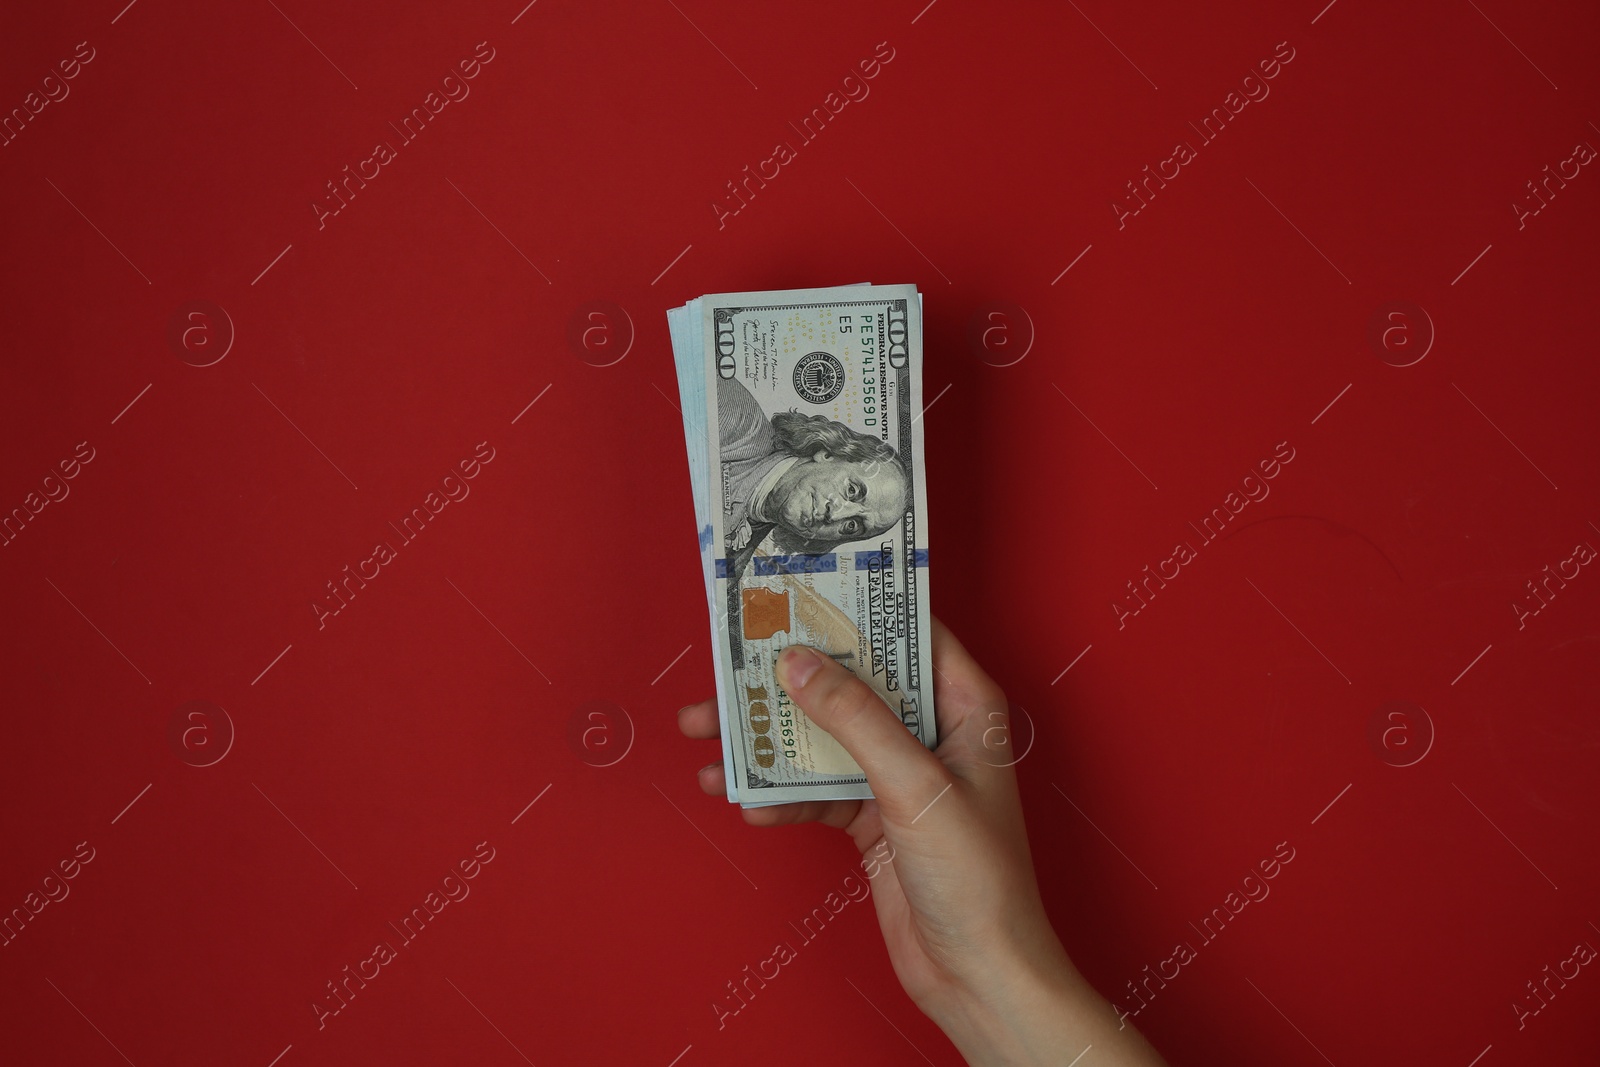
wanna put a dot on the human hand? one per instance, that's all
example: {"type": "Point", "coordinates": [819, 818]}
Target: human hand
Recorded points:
{"type": "Point", "coordinates": [954, 886]}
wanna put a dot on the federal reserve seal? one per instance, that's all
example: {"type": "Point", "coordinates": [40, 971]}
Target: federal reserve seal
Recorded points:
{"type": "Point", "coordinates": [818, 377]}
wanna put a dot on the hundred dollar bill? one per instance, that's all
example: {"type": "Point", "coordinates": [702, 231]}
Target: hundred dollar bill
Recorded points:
{"type": "Point", "coordinates": [802, 420]}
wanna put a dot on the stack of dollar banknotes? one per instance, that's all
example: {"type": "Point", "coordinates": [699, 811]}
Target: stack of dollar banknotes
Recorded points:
{"type": "Point", "coordinates": [802, 411]}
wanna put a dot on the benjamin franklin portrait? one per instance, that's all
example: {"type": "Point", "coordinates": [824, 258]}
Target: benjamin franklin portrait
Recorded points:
{"type": "Point", "coordinates": [812, 483]}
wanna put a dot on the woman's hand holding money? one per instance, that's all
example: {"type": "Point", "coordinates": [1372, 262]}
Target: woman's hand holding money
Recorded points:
{"type": "Point", "coordinates": [954, 885]}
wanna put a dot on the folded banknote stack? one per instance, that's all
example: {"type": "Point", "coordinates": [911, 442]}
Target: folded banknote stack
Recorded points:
{"type": "Point", "coordinates": [802, 415]}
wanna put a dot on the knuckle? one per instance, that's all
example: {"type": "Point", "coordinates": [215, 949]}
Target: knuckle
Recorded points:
{"type": "Point", "coordinates": [847, 698]}
{"type": "Point", "coordinates": [935, 778]}
{"type": "Point", "coordinates": [923, 790]}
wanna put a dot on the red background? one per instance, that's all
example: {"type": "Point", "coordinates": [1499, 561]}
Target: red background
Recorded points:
{"type": "Point", "coordinates": [372, 754]}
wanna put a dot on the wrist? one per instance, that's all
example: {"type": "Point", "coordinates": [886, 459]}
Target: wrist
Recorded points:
{"type": "Point", "coordinates": [1033, 1007]}
{"type": "Point", "coordinates": [1025, 1006]}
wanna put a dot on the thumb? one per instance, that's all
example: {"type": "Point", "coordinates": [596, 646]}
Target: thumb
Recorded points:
{"type": "Point", "coordinates": [904, 775]}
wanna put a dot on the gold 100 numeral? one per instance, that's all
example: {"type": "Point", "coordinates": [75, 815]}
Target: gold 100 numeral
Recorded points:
{"type": "Point", "coordinates": [760, 723]}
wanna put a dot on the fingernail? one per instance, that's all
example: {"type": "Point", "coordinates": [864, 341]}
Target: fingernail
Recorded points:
{"type": "Point", "coordinates": [709, 766]}
{"type": "Point", "coordinates": [797, 665]}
